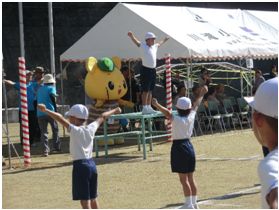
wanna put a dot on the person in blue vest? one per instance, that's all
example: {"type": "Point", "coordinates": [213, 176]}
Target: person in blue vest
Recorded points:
{"type": "Point", "coordinates": [47, 95]}
{"type": "Point", "coordinates": [32, 118]}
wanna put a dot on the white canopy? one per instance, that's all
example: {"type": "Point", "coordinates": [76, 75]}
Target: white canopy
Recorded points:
{"type": "Point", "coordinates": [195, 33]}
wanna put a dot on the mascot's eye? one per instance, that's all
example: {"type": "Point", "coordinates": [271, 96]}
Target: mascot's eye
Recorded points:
{"type": "Point", "coordinates": [124, 85]}
{"type": "Point", "coordinates": [111, 85]}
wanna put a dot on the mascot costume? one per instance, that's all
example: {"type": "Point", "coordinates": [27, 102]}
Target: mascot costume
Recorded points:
{"type": "Point", "coordinates": [105, 84]}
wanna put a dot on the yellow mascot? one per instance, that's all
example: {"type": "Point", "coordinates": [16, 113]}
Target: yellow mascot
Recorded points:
{"type": "Point", "coordinates": [105, 84]}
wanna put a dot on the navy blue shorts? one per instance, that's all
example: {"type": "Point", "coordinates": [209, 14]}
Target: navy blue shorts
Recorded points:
{"type": "Point", "coordinates": [183, 159]}
{"type": "Point", "coordinates": [147, 78]}
{"type": "Point", "coordinates": [84, 181]}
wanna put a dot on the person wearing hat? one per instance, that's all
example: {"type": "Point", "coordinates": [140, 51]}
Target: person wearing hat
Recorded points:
{"type": "Point", "coordinates": [31, 109]}
{"type": "Point", "coordinates": [148, 71]}
{"type": "Point", "coordinates": [38, 74]}
{"type": "Point", "coordinates": [84, 176]}
{"type": "Point", "coordinates": [47, 95]}
{"type": "Point", "coordinates": [183, 160]}
{"type": "Point", "coordinates": [265, 126]}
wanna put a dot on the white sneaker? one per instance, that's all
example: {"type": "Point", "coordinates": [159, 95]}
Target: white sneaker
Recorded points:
{"type": "Point", "coordinates": [187, 206]}
{"type": "Point", "coordinates": [145, 110]}
{"type": "Point", "coordinates": [151, 110]}
{"type": "Point", "coordinates": [196, 206]}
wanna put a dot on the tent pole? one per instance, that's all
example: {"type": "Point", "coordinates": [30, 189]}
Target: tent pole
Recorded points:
{"type": "Point", "coordinates": [241, 80]}
{"type": "Point", "coordinates": [51, 39]}
{"type": "Point", "coordinates": [130, 79]}
{"type": "Point", "coordinates": [62, 94]}
{"type": "Point", "coordinates": [7, 126]}
{"type": "Point", "coordinates": [21, 29]}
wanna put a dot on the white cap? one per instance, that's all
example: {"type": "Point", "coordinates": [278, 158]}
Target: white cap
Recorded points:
{"type": "Point", "coordinates": [150, 35]}
{"type": "Point", "coordinates": [48, 78]}
{"type": "Point", "coordinates": [79, 111]}
{"type": "Point", "coordinates": [183, 103]}
{"type": "Point", "coordinates": [266, 98]}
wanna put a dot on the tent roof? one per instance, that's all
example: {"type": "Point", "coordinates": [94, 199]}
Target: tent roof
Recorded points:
{"type": "Point", "coordinates": [195, 33]}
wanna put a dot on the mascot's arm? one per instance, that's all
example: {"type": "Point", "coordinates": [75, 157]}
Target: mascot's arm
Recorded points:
{"type": "Point", "coordinates": [99, 103]}
{"type": "Point", "coordinates": [126, 103]}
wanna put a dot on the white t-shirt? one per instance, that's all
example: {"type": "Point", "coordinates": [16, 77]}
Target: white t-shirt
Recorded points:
{"type": "Point", "coordinates": [81, 140]}
{"type": "Point", "coordinates": [268, 173]}
{"type": "Point", "coordinates": [182, 127]}
{"type": "Point", "coordinates": [149, 55]}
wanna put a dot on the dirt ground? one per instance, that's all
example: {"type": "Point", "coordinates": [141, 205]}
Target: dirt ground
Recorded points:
{"type": "Point", "coordinates": [226, 175]}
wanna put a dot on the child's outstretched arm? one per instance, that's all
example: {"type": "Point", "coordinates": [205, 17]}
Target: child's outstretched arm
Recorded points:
{"type": "Point", "coordinates": [106, 114]}
{"type": "Point", "coordinates": [54, 115]}
{"type": "Point", "coordinates": [202, 91]}
{"type": "Point", "coordinates": [133, 38]}
{"type": "Point", "coordinates": [9, 82]}
{"type": "Point", "coordinates": [162, 109]}
{"type": "Point", "coordinates": [163, 41]}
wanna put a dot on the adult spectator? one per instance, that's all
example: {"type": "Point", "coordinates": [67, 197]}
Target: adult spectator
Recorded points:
{"type": "Point", "coordinates": [220, 93]}
{"type": "Point", "coordinates": [47, 95]}
{"type": "Point", "coordinates": [33, 135]}
{"type": "Point", "coordinates": [181, 92]}
{"type": "Point", "coordinates": [259, 79]}
{"type": "Point", "coordinates": [273, 72]}
{"type": "Point", "coordinates": [133, 87]}
{"type": "Point", "coordinates": [205, 78]}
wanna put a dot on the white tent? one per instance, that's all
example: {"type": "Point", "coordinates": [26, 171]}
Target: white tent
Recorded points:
{"type": "Point", "coordinates": [195, 33]}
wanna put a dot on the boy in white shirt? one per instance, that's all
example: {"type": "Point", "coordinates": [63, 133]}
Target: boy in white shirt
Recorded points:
{"type": "Point", "coordinates": [148, 52]}
{"type": "Point", "coordinates": [183, 158]}
{"type": "Point", "coordinates": [265, 127]}
{"type": "Point", "coordinates": [85, 175]}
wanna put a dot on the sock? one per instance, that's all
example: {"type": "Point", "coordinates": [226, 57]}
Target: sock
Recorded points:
{"type": "Point", "coordinates": [188, 200]}
{"type": "Point", "coordinates": [194, 199]}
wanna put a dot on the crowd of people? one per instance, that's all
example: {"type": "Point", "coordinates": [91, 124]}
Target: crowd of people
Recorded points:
{"type": "Point", "coordinates": [40, 89]}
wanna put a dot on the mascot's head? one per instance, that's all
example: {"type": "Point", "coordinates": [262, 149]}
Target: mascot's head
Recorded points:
{"type": "Point", "coordinates": [104, 81]}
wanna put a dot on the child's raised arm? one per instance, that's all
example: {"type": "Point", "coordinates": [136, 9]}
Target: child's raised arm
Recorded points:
{"type": "Point", "coordinates": [133, 38]}
{"type": "Point", "coordinates": [106, 114]}
{"type": "Point", "coordinates": [163, 41]}
{"type": "Point", "coordinates": [54, 115]}
{"type": "Point", "coordinates": [202, 91]}
{"type": "Point", "coordinates": [162, 109]}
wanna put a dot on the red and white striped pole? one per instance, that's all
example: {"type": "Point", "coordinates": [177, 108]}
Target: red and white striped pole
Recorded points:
{"type": "Point", "coordinates": [24, 111]}
{"type": "Point", "coordinates": [168, 94]}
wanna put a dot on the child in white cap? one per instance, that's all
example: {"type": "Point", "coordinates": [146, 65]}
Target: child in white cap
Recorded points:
{"type": "Point", "coordinates": [85, 175]}
{"type": "Point", "coordinates": [265, 127]}
{"type": "Point", "coordinates": [183, 158]}
{"type": "Point", "coordinates": [148, 52]}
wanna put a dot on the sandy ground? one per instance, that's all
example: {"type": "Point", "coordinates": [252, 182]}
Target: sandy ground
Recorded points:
{"type": "Point", "coordinates": [226, 175]}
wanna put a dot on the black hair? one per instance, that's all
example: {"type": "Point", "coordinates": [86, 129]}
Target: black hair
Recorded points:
{"type": "Point", "coordinates": [183, 113]}
{"type": "Point", "coordinates": [203, 69]}
{"type": "Point", "coordinates": [180, 86]}
{"type": "Point", "coordinates": [194, 88]}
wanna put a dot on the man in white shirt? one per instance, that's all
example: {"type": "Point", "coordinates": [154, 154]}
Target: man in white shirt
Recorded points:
{"type": "Point", "coordinates": [148, 71]}
{"type": "Point", "coordinates": [265, 127]}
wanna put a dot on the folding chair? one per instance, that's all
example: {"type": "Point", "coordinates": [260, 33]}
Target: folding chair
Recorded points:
{"type": "Point", "coordinates": [204, 118]}
{"type": "Point", "coordinates": [215, 115]}
{"type": "Point", "coordinates": [243, 112]}
{"type": "Point", "coordinates": [230, 114]}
